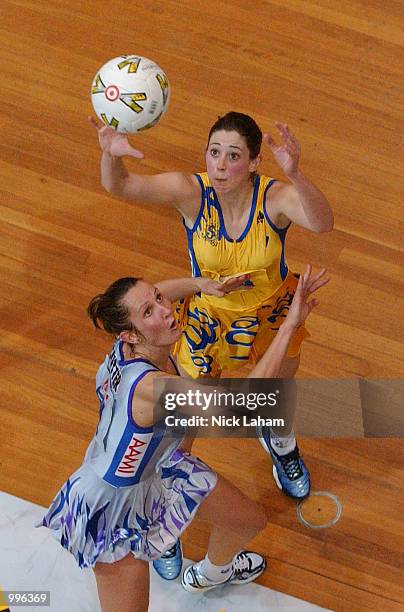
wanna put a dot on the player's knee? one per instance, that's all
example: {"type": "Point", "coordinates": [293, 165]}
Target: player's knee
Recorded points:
{"type": "Point", "coordinates": [257, 519]}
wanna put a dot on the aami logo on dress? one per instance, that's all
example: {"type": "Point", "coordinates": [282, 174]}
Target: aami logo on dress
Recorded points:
{"type": "Point", "coordinates": [133, 455]}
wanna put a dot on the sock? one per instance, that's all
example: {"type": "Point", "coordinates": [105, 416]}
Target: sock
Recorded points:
{"type": "Point", "coordinates": [216, 573]}
{"type": "Point", "coordinates": [283, 445]}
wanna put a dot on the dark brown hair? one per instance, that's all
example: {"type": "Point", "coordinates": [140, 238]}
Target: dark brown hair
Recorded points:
{"type": "Point", "coordinates": [245, 126]}
{"type": "Point", "coordinates": [108, 310]}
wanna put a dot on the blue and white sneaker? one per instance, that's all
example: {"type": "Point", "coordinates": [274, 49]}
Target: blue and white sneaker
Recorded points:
{"type": "Point", "coordinates": [170, 563]}
{"type": "Point", "coordinates": [246, 567]}
{"type": "Point", "coordinates": [289, 471]}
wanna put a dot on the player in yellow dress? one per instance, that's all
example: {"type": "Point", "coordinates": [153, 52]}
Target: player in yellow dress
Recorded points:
{"type": "Point", "coordinates": [236, 222]}
{"type": "Point", "coordinates": [225, 333]}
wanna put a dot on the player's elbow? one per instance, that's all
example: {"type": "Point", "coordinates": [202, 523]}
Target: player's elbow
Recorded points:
{"type": "Point", "coordinates": [108, 185]}
{"type": "Point", "coordinates": [115, 188]}
{"type": "Point", "coordinates": [324, 225]}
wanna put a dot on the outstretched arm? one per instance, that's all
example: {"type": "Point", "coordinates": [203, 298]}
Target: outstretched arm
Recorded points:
{"type": "Point", "coordinates": [268, 366]}
{"type": "Point", "coordinates": [178, 288]}
{"type": "Point", "coordinates": [300, 200]}
{"type": "Point", "coordinates": [173, 188]}
{"type": "Point", "coordinates": [270, 363]}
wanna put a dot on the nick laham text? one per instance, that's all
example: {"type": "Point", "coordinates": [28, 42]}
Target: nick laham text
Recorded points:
{"type": "Point", "coordinates": [222, 421]}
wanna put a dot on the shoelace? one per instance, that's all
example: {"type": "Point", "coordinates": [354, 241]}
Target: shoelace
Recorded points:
{"type": "Point", "coordinates": [171, 552]}
{"type": "Point", "coordinates": [242, 563]}
{"type": "Point", "coordinates": [291, 465]}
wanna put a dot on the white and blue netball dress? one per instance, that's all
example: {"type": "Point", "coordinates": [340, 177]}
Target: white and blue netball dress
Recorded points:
{"type": "Point", "coordinates": [136, 491]}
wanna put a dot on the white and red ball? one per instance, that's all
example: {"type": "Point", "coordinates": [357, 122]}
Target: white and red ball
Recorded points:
{"type": "Point", "coordinates": [130, 93]}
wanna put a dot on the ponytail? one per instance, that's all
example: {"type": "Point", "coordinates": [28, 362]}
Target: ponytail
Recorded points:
{"type": "Point", "coordinates": [108, 311]}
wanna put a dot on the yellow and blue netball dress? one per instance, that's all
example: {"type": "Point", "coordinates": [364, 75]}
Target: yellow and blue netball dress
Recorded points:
{"type": "Point", "coordinates": [136, 491]}
{"type": "Point", "coordinates": [226, 332]}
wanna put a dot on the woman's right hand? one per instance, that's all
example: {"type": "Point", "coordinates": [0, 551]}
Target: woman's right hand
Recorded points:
{"type": "Point", "coordinates": [113, 142]}
{"type": "Point", "coordinates": [300, 307]}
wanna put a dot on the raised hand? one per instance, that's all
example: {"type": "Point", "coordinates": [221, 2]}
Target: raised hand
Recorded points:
{"type": "Point", "coordinates": [286, 154]}
{"type": "Point", "coordinates": [300, 307]}
{"type": "Point", "coordinates": [112, 142]}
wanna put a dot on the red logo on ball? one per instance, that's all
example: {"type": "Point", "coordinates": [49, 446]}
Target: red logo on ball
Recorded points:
{"type": "Point", "coordinates": [112, 93]}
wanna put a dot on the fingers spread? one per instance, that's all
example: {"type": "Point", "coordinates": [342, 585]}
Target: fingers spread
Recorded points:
{"type": "Point", "coordinates": [320, 274]}
{"type": "Point", "coordinates": [307, 274]}
{"type": "Point", "coordinates": [311, 284]}
{"type": "Point", "coordinates": [316, 285]}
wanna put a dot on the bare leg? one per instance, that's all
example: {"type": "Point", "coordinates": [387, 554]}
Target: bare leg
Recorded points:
{"type": "Point", "coordinates": [289, 368]}
{"type": "Point", "coordinates": [289, 469]}
{"type": "Point", "coordinates": [236, 519]}
{"type": "Point", "coordinates": [123, 586]}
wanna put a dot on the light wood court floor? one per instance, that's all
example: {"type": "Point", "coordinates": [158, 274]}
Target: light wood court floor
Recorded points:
{"type": "Point", "coordinates": [333, 71]}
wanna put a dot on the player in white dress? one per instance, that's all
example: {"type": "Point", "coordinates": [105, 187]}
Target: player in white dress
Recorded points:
{"type": "Point", "coordinates": [137, 489]}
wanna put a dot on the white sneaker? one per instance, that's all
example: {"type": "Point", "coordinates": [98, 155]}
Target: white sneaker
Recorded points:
{"type": "Point", "coordinates": [246, 567]}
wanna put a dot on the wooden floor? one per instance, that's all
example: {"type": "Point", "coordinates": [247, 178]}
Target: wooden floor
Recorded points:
{"type": "Point", "coordinates": [333, 72]}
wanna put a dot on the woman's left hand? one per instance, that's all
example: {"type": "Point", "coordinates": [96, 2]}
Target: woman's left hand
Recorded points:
{"type": "Point", "coordinates": [286, 154]}
{"type": "Point", "coordinates": [212, 287]}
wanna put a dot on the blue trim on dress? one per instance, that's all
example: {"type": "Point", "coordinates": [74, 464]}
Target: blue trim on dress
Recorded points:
{"type": "Point", "coordinates": [253, 209]}
{"type": "Point", "coordinates": [124, 362]}
{"type": "Point", "coordinates": [143, 360]}
{"type": "Point", "coordinates": [120, 349]}
{"type": "Point", "coordinates": [101, 407]}
{"type": "Point", "coordinates": [109, 475]}
{"type": "Point", "coordinates": [196, 272]}
{"type": "Point", "coordinates": [198, 218]}
{"type": "Point", "coordinates": [250, 218]}
{"type": "Point", "coordinates": [280, 231]}
{"type": "Point", "coordinates": [138, 428]}
{"type": "Point", "coordinates": [137, 360]}
{"type": "Point", "coordinates": [283, 268]}
{"type": "Point", "coordinates": [153, 444]}
{"type": "Point", "coordinates": [126, 481]}
{"type": "Point", "coordinates": [132, 428]}
{"type": "Point", "coordinates": [271, 223]}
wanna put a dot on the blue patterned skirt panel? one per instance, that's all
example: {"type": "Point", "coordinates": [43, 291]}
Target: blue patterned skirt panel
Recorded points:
{"type": "Point", "coordinates": [98, 522]}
